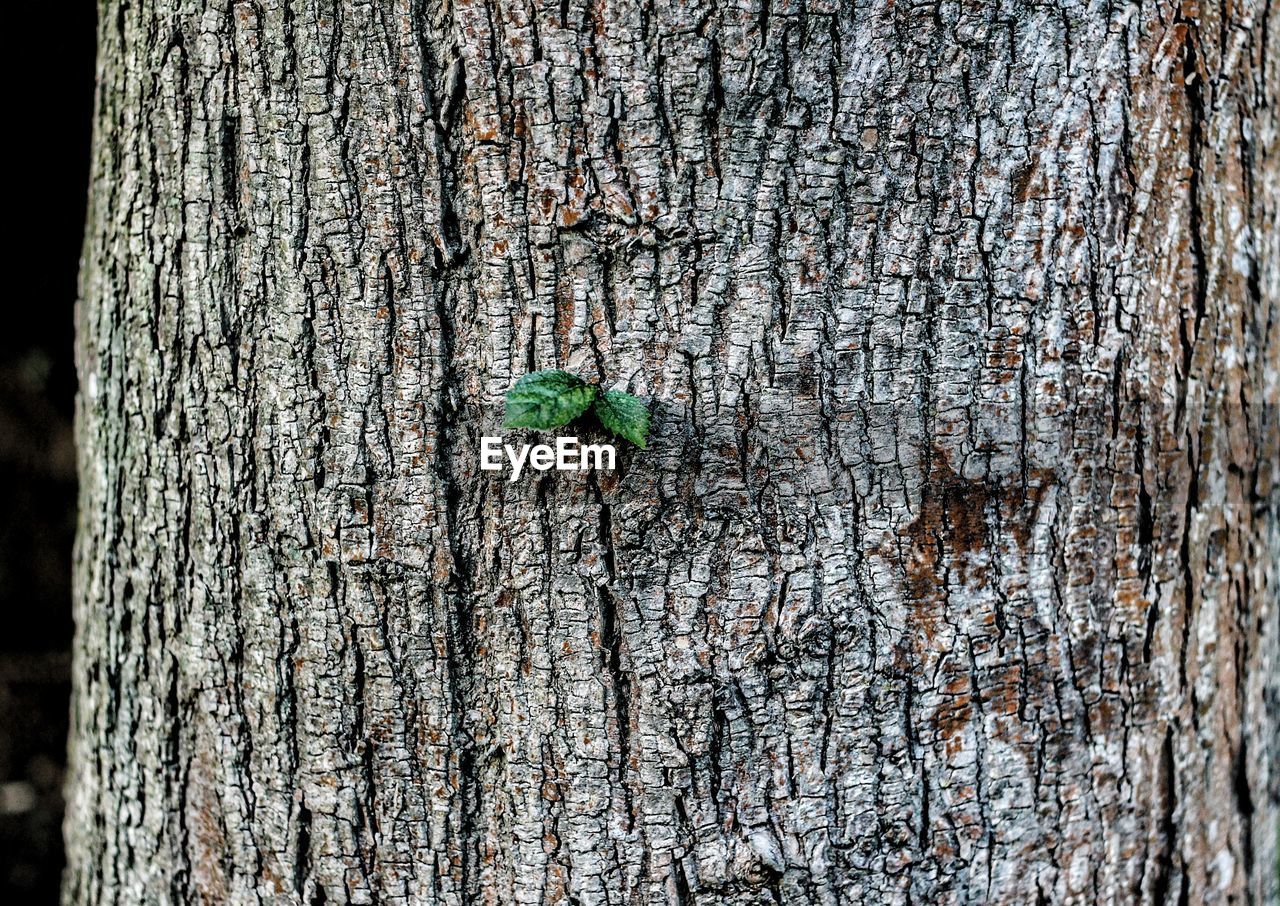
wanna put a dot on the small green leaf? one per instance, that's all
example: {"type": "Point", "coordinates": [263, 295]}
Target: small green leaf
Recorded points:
{"type": "Point", "coordinates": [547, 399]}
{"type": "Point", "coordinates": [624, 415]}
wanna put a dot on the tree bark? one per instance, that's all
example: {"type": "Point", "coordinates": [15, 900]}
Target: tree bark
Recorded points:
{"type": "Point", "coordinates": [950, 574]}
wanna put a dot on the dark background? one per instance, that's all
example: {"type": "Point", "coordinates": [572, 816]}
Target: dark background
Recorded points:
{"type": "Point", "coordinates": [49, 108]}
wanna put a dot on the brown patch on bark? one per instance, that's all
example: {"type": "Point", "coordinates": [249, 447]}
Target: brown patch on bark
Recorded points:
{"type": "Point", "coordinates": [1022, 181]}
{"type": "Point", "coordinates": [208, 838]}
{"type": "Point", "coordinates": [952, 515]}
{"type": "Point", "coordinates": [951, 525]}
{"type": "Point", "coordinates": [960, 519]}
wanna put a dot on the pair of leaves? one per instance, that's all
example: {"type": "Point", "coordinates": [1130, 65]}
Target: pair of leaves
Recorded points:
{"type": "Point", "coordinates": [549, 399]}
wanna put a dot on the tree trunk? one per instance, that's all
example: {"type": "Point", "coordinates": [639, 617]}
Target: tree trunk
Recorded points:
{"type": "Point", "coordinates": [949, 574]}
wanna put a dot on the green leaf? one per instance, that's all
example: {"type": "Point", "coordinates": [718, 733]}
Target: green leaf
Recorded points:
{"type": "Point", "coordinates": [547, 399]}
{"type": "Point", "coordinates": [624, 415]}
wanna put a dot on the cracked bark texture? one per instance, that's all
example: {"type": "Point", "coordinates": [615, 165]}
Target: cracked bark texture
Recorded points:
{"type": "Point", "coordinates": [950, 573]}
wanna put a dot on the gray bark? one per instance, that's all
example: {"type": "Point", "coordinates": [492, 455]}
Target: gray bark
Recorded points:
{"type": "Point", "coordinates": [950, 573]}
